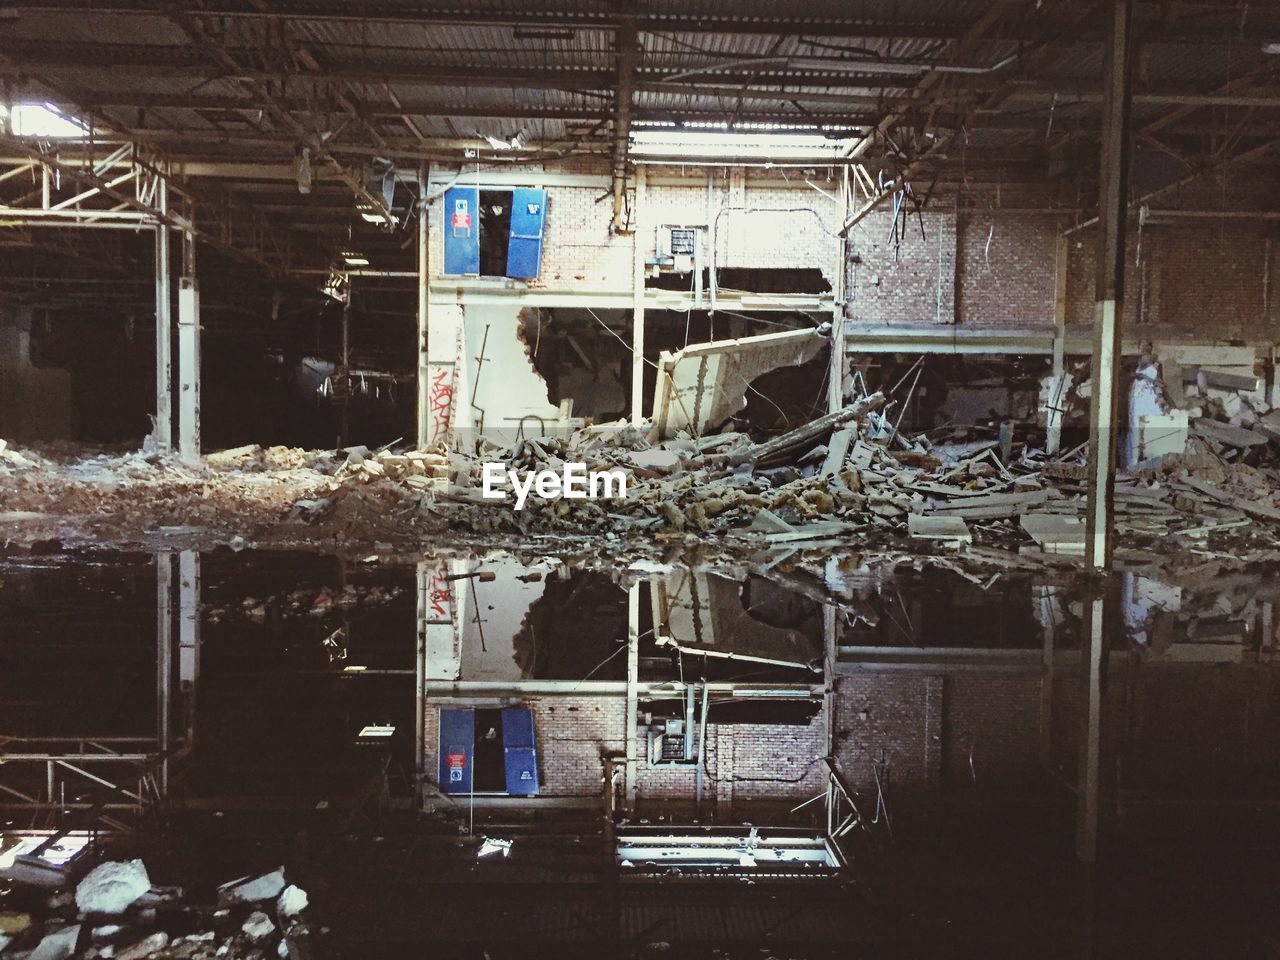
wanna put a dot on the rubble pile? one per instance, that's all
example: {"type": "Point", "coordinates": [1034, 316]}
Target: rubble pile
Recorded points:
{"type": "Point", "coordinates": [302, 602]}
{"type": "Point", "coordinates": [848, 477]}
{"type": "Point", "coordinates": [114, 913]}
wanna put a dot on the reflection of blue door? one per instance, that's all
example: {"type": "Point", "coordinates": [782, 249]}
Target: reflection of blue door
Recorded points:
{"type": "Point", "coordinates": [519, 752]}
{"type": "Point", "coordinates": [457, 750]}
{"type": "Point", "coordinates": [462, 231]}
{"type": "Point", "coordinates": [528, 216]}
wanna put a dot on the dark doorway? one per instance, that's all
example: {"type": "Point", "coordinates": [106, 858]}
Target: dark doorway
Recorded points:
{"type": "Point", "coordinates": [495, 232]}
{"type": "Point", "coordinates": [490, 771]}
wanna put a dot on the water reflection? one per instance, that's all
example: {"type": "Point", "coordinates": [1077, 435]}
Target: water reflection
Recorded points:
{"type": "Point", "coordinates": [841, 702]}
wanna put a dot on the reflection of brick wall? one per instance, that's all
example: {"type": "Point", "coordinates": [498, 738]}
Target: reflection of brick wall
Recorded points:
{"type": "Point", "coordinates": [744, 761]}
{"type": "Point", "coordinates": [924, 728]}
{"type": "Point", "coordinates": [1201, 728]}
{"type": "Point", "coordinates": [993, 719]}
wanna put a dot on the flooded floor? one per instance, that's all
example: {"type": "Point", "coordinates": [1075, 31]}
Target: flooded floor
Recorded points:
{"type": "Point", "coordinates": [493, 754]}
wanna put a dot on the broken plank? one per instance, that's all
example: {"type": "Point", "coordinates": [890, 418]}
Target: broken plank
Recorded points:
{"type": "Point", "coordinates": [1261, 510]}
{"type": "Point", "coordinates": [838, 451]}
{"type": "Point", "coordinates": [1226, 433]}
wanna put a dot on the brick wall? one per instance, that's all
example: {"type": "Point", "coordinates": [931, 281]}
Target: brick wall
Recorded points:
{"type": "Point", "coordinates": [1192, 276]}
{"type": "Point", "coordinates": [580, 252]}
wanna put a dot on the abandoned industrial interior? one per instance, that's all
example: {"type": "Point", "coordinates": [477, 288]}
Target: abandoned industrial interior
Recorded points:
{"type": "Point", "coordinates": [639, 478]}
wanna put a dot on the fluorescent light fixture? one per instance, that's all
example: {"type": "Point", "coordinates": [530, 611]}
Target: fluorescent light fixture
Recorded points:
{"type": "Point", "coordinates": [354, 668]}
{"type": "Point", "coordinates": [377, 731]}
{"type": "Point", "coordinates": [763, 141]}
{"type": "Point", "coordinates": [353, 259]}
{"type": "Point", "coordinates": [43, 120]}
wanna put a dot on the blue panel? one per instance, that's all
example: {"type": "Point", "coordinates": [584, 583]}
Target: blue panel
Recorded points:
{"type": "Point", "coordinates": [462, 231]}
{"type": "Point", "coordinates": [457, 750]}
{"type": "Point", "coordinates": [520, 752]}
{"type": "Point", "coordinates": [528, 215]}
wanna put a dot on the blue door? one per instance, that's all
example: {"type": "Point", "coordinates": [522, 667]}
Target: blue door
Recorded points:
{"type": "Point", "coordinates": [457, 750]}
{"type": "Point", "coordinates": [528, 216]}
{"type": "Point", "coordinates": [519, 751]}
{"type": "Point", "coordinates": [462, 231]}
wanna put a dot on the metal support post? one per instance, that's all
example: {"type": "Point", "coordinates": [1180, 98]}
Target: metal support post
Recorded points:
{"type": "Point", "coordinates": [189, 636]}
{"type": "Point", "coordinates": [424, 307]}
{"type": "Point", "coordinates": [420, 683]}
{"type": "Point", "coordinates": [1099, 540]}
{"type": "Point", "coordinates": [632, 722]}
{"type": "Point", "coordinates": [637, 302]}
{"type": "Point", "coordinates": [188, 354]}
{"type": "Point", "coordinates": [164, 321]}
{"type": "Point", "coordinates": [1053, 416]}
{"type": "Point", "coordinates": [164, 663]}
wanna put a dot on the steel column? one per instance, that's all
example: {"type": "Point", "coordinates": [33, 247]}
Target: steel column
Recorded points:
{"type": "Point", "coordinates": [637, 303]}
{"type": "Point", "coordinates": [1104, 411]}
{"type": "Point", "coordinates": [632, 725]}
{"type": "Point", "coordinates": [188, 354]}
{"type": "Point", "coordinates": [189, 635]}
{"type": "Point", "coordinates": [164, 321]}
{"type": "Point", "coordinates": [424, 306]}
{"type": "Point", "coordinates": [164, 661]}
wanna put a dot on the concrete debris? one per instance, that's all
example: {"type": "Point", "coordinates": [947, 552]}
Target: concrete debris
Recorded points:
{"type": "Point", "coordinates": [148, 946]}
{"type": "Point", "coordinates": [112, 888]}
{"type": "Point", "coordinates": [848, 473]}
{"type": "Point", "coordinates": [292, 901]}
{"type": "Point", "coordinates": [259, 889]}
{"type": "Point", "coordinates": [258, 926]}
{"type": "Point", "coordinates": [58, 945]}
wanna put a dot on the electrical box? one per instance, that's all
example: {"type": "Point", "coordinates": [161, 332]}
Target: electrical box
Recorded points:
{"type": "Point", "coordinates": [677, 249]}
{"type": "Point", "coordinates": [670, 744]}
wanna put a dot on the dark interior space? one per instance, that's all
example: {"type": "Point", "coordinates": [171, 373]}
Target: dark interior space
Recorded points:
{"type": "Point", "coordinates": [574, 630]}
{"type": "Point", "coordinates": [495, 229]}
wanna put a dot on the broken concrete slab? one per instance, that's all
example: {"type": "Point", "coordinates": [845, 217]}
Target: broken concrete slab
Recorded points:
{"type": "Point", "coordinates": [1055, 533]}
{"type": "Point", "coordinates": [1227, 434]}
{"type": "Point", "coordinates": [704, 384]}
{"type": "Point", "coordinates": [934, 527]}
{"type": "Point", "coordinates": [58, 945]}
{"type": "Point", "coordinates": [267, 886]}
{"type": "Point", "coordinates": [112, 887]}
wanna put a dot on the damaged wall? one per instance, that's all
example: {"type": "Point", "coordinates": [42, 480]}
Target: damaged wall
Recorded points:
{"type": "Point", "coordinates": [701, 386]}
{"type": "Point", "coordinates": [794, 228]}
{"type": "Point", "coordinates": [505, 389]}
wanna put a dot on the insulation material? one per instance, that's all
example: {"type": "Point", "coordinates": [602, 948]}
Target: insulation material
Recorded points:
{"type": "Point", "coordinates": [704, 384]}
